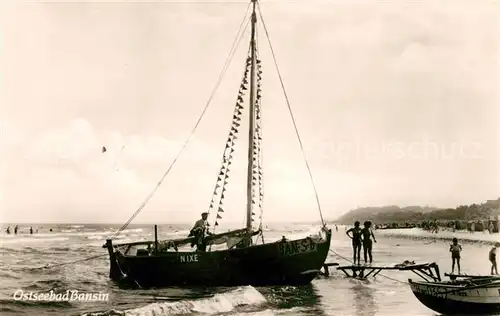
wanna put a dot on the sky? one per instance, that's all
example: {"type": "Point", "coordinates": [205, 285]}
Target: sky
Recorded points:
{"type": "Point", "coordinates": [396, 102]}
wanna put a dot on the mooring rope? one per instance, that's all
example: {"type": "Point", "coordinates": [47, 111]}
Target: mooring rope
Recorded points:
{"type": "Point", "coordinates": [291, 114]}
{"type": "Point", "coordinates": [67, 263]}
{"type": "Point", "coordinates": [219, 80]}
{"type": "Point", "coordinates": [351, 262]}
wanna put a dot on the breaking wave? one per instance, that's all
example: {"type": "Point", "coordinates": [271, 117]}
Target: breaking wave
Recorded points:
{"type": "Point", "coordinates": [243, 298]}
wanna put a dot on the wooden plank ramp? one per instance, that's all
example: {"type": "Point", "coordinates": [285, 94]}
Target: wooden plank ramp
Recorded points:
{"type": "Point", "coordinates": [427, 271]}
{"type": "Point", "coordinates": [326, 267]}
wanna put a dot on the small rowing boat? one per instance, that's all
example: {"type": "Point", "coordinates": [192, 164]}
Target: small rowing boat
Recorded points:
{"type": "Point", "coordinates": [466, 296]}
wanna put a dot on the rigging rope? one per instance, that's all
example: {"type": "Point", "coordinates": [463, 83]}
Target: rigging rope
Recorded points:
{"type": "Point", "coordinates": [291, 114]}
{"type": "Point", "coordinates": [66, 263]}
{"type": "Point", "coordinates": [223, 72]}
{"type": "Point", "coordinates": [385, 276]}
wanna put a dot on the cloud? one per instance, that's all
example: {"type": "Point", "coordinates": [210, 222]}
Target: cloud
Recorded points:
{"type": "Point", "coordinates": [361, 76]}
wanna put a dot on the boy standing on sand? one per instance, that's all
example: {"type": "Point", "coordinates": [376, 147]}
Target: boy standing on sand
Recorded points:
{"type": "Point", "coordinates": [455, 250]}
{"type": "Point", "coordinates": [493, 258]}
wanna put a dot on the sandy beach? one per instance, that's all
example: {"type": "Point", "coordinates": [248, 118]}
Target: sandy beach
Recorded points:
{"type": "Point", "coordinates": [463, 235]}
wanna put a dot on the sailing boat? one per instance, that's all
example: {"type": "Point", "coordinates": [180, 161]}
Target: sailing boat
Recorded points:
{"type": "Point", "coordinates": [244, 262]}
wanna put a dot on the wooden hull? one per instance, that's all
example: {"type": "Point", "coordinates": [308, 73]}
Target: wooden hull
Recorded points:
{"type": "Point", "coordinates": [444, 298]}
{"type": "Point", "coordinates": [290, 262]}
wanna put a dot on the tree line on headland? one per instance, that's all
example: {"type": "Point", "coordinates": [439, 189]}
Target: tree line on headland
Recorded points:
{"type": "Point", "coordinates": [412, 216]}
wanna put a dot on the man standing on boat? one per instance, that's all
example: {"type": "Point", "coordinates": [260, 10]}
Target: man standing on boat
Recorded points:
{"type": "Point", "coordinates": [199, 230]}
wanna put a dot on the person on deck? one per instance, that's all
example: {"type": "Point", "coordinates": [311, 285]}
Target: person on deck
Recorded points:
{"type": "Point", "coordinates": [356, 241]}
{"type": "Point", "coordinates": [367, 233]}
{"type": "Point", "coordinates": [455, 250]}
{"type": "Point", "coordinates": [16, 229]}
{"type": "Point", "coordinates": [493, 258]}
{"type": "Point", "coordinates": [199, 230]}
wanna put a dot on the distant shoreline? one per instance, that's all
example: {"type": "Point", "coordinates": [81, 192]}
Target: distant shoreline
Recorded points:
{"type": "Point", "coordinates": [462, 235]}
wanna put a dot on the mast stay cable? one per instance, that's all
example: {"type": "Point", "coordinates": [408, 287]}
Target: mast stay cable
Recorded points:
{"type": "Point", "coordinates": [291, 115]}
{"type": "Point", "coordinates": [229, 58]}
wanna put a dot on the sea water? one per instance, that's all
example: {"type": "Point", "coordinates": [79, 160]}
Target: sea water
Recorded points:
{"type": "Point", "coordinates": [387, 294]}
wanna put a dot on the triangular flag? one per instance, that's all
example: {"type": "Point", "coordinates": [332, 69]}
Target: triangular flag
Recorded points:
{"type": "Point", "coordinates": [220, 210]}
{"type": "Point", "coordinates": [218, 216]}
{"type": "Point", "coordinates": [216, 224]}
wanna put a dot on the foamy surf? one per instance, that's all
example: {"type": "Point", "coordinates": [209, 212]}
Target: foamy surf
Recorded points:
{"type": "Point", "coordinates": [230, 301]}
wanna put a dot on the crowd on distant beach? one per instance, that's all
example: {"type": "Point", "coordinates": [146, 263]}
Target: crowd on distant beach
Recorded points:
{"type": "Point", "coordinates": [434, 225]}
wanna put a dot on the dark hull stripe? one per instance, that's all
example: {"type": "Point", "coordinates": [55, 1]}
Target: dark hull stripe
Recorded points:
{"type": "Point", "coordinates": [454, 307]}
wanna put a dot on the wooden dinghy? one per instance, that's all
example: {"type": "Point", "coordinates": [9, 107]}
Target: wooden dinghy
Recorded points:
{"type": "Point", "coordinates": [468, 296]}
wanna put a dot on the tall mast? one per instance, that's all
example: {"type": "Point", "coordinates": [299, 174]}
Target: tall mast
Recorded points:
{"type": "Point", "coordinates": [251, 132]}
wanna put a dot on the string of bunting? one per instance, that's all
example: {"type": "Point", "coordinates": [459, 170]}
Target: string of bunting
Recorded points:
{"type": "Point", "coordinates": [257, 172]}
{"type": "Point", "coordinates": [222, 178]}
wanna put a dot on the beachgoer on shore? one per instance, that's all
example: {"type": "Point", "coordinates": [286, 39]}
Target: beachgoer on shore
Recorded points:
{"type": "Point", "coordinates": [493, 258]}
{"type": "Point", "coordinates": [367, 233]}
{"type": "Point", "coordinates": [455, 249]}
{"type": "Point", "coordinates": [356, 242]}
